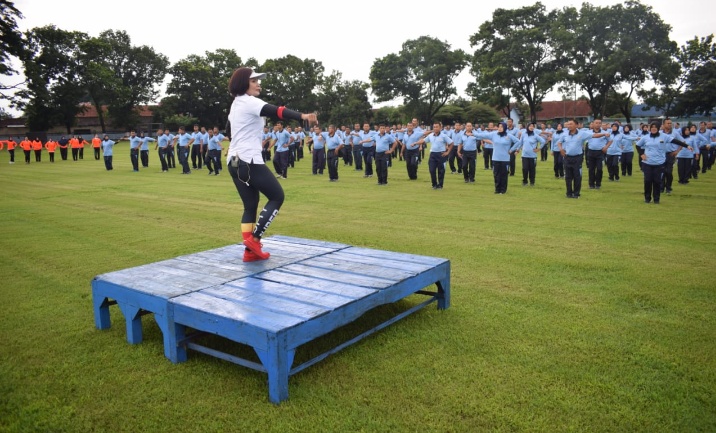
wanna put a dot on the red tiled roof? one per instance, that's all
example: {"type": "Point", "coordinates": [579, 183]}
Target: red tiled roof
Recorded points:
{"type": "Point", "coordinates": [561, 109]}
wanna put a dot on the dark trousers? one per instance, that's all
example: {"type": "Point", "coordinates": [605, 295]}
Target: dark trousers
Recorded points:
{"type": "Point", "coordinates": [319, 161]}
{"type": "Point", "coordinates": [82, 153]}
{"type": "Point", "coordinates": [452, 157]}
{"type": "Point", "coordinates": [209, 161]}
{"type": "Point", "coordinates": [252, 180]}
{"type": "Point", "coordinates": [695, 167]}
{"type": "Point", "coordinates": [266, 153]}
{"type": "Point", "coordinates": [27, 156]}
{"type": "Point", "coordinates": [332, 164]}
{"type": "Point", "coordinates": [96, 153]}
{"type": "Point", "coordinates": [381, 166]}
{"type": "Point", "coordinates": [500, 171]}
{"type": "Point", "coordinates": [436, 165]}
{"type": "Point", "coordinates": [347, 156]}
{"type": "Point", "coordinates": [529, 170]}
{"type": "Point", "coordinates": [595, 158]}
{"type": "Point", "coordinates": [667, 177]}
{"type": "Point", "coordinates": [108, 162]}
{"type": "Point", "coordinates": [627, 158]}
{"type": "Point", "coordinates": [75, 153]}
{"type": "Point", "coordinates": [368, 155]}
{"type": "Point", "coordinates": [195, 155]}
{"type": "Point", "coordinates": [640, 152]}
{"type": "Point", "coordinates": [163, 158]}
{"type": "Point", "coordinates": [613, 167]}
{"type": "Point", "coordinates": [171, 160]}
{"type": "Point", "coordinates": [38, 155]}
{"type": "Point", "coordinates": [469, 159]}
{"type": "Point", "coordinates": [712, 156]}
{"type": "Point", "coordinates": [281, 160]}
{"type": "Point", "coordinates": [573, 174]}
{"type": "Point", "coordinates": [558, 164]}
{"type": "Point", "coordinates": [299, 152]}
{"type": "Point", "coordinates": [358, 157]}
{"type": "Point", "coordinates": [204, 152]}
{"type": "Point", "coordinates": [144, 156]}
{"type": "Point", "coordinates": [512, 164]}
{"type": "Point", "coordinates": [411, 163]}
{"type": "Point", "coordinates": [63, 153]}
{"type": "Point", "coordinates": [134, 156]}
{"type": "Point", "coordinates": [12, 154]}
{"type": "Point", "coordinates": [52, 156]}
{"type": "Point", "coordinates": [684, 169]}
{"type": "Point", "coordinates": [292, 155]}
{"type": "Point", "coordinates": [544, 153]}
{"type": "Point", "coordinates": [653, 179]}
{"type": "Point", "coordinates": [487, 156]}
{"type": "Point", "coordinates": [184, 158]}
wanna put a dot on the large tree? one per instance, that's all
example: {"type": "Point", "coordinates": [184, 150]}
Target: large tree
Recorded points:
{"type": "Point", "coordinates": [11, 43]}
{"type": "Point", "coordinates": [53, 90]}
{"type": "Point", "coordinates": [138, 71]}
{"type": "Point", "coordinates": [515, 51]}
{"type": "Point", "coordinates": [611, 47]}
{"type": "Point", "coordinates": [422, 74]}
{"type": "Point", "coordinates": [200, 84]}
{"type": "Point", "coordinates": [292, 82]}
{"type": "Point", "coordinates": [681, 75]}
{"type": "Point", "coordinates": [343, 102]}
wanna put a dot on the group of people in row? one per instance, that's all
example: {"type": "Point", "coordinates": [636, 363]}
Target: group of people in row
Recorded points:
{"type": "Point", "coordinates": [75, 143]}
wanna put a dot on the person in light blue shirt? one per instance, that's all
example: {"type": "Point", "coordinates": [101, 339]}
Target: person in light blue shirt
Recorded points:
{"type": "Point", "coordinates": [334, 144]}
{"type": "Point", "coordinates": [513, 130]}
{"type": "Point", "coordinates": [318, 139]}
{"type": "Point", "coordinates": [571, 146]}
{"type": "Point", "coordinates": [547, 133]}
{"type": "Point", "coordinates": [266, 138]}
{"type": "Point", "coordinates": [357, 147]}
{"type": "Point", "coordinates": [196, 147]}
{"type": "Point", "coordinates": [161, 146]}
{"type": "Point", "coordinates": [107, 149]}
{"type": "Point", "coordinates": [385, 144]}
{"type": "Point", "coordinates": [487, 148]}
{"type": "Point", "coordinates": [410, 152]}
{"type": "Point", "coordinates": [596, 149]}
{"type": "Point", "coordinates": [530, 143]}
{"type": "Point", "coordinates": [703, 140]}
{"type": "Point", "coordinates": [134, 144]}
{"type": "Point", "coordinates": [456, 135]}
{"type": "Point", "coordinates": [502, 142]}
{"type": "Point", "coordinates": [204, 150]}
{"type": "Point", "coordinates": [626, 144]}
{"type": "Point", "coordinates": [367, 142]}
{"type": "Point", "coordinates": [467, 152]}
{"type": "Point", "coordinates": [556, 154]}
{"type": "Point", "coordinates": [614, 152]}
{"type": "Point", "coordinates": [144, 149]}
{"type": "Point", "coordinates": [281, 151]}
{"type": "Point", "coordinates": [215, 149]}
{"type": "Point", "coordinates": [685, 156]}
{"type": "Point", "coordinates": [654, 157]}
{"type": "Point", "coordinates": [171, 160]}
{"type": "Point", "coordinates": [184, 142]}
{"type": "Point", "coordinates": [440, 146]}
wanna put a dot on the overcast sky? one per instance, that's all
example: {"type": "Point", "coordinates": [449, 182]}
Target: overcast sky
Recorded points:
{"type": "Point", "coordinates": [343, 36]}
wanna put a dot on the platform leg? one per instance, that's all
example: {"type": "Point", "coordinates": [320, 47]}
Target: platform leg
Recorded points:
{"type": "Point", "coordinates": [277, 360]}
{"type": "Point", "coordinates": [172, 336]}
{"type": "Point", "coordinates": [444, 291]}
{"type": "Point", "coordinates": [134, 322]}
{"type": "Point", "coordinates": [101, 311]}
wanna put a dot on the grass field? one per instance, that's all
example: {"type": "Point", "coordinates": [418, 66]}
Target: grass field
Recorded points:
{"type": "Point", "coordinates": [590, 315]}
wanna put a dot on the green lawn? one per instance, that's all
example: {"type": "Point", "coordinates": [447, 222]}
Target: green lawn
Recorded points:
{"type": "Point", "coordinates": [596, 314]}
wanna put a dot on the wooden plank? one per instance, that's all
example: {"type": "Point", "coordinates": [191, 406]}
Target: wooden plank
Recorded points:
{"type": "Point", "coordinates": [267, 301]}
{"type": "Point", "coordinates": [326, 274]}
{"type": "Point", "coordinates": [308, 242]}
{"type": "Point", "coordinates": [235, 312]}
{"type": "Point", "coordinates": [326, 286]}
{"type": "Point", "coordinates": [390, 255]}
{"type": "Point", "coordinates": [329, 263]}
{"type": "Point", "coordinates": [370, 260]}
{"type": "Point", "coordinates": [304, 295]}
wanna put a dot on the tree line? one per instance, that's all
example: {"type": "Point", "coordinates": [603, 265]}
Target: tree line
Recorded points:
{"type": "Point", "coordinates": [608, 53]}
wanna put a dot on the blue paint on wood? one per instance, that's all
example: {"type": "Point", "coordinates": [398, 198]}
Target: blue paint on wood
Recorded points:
{"type": "Point", "coordinates": [305, 290]}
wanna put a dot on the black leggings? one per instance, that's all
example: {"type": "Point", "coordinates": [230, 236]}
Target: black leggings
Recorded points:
{"type": "Point", "coordinates": [250, 180]}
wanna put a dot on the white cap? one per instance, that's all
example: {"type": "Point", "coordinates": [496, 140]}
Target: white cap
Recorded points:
{"type": "Point", "coordinates": [258, 75]}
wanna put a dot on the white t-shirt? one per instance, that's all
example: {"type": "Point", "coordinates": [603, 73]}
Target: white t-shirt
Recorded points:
{"type": "Point", "coordinates": [247, 127]}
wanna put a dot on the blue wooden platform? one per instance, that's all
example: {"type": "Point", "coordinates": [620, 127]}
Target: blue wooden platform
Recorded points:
{"type": "Point", "coordinates": [306, 289]}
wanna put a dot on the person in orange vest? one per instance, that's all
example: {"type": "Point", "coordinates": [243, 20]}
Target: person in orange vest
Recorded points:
{"type": "Point", "coordinates": [26, 146]}
{"type": "Point", "coordinates": [10, 148]}
{"type": "Point", "coordinates": [96, 144]}
{"type": "Point", "coordinates": [75, 145]}
{"type": "Point", "coordinates": [51, 145]}
{"type": "Point", "coordinates": [83, 143]}
{"type": "Point", "coordinates": [63, 143]}
{"type": "Point", "coordinates": [37, 147]}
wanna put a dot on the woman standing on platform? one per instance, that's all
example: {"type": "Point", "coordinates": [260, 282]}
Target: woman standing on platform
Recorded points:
{"type": "Point", "coordinates": [246, 165]}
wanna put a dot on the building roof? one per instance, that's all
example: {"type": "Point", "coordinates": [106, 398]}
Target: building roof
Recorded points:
{"type": "Point", "coordinates": [564, 109]}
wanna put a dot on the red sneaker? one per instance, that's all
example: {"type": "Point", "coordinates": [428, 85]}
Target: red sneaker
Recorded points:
{"type": "Point", "coordinates": [250, 256]}
{"type": "Point", "coordinates": [255, 247]}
